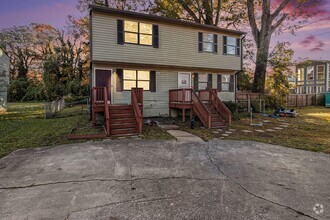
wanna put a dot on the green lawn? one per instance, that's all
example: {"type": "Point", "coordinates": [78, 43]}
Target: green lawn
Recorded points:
{"type": "Point", "coordinates": [310, 130]}
{"type": "Point", "coordinates": [24, 126]}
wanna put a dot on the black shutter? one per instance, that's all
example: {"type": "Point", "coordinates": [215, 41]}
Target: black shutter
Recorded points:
{"type": "Point", "coordinates": [152, 81]}
{"type": "Point", "coordinates": [238, 46]}
{"type": "Point", "coordinates": [200, 42]}
{"type": "Point", "coordinates": [120, 32]}
{"type": "Point", "coordinates": [155, 36]}
{"type": "Point", "coordinates": [215, 43]}
{"type": "Point", "coordinates": [209, 81]}
{"type": "Point", "coordinates": [120, 80]}
{"type": "Point", "coordinates": [224, 45]}
{"type": "Point", "coordinates": [231, 85]}
{"type": "Point", "coordinates": [219, 82]}
{"type": "Point", "coordinates": [196, 82]}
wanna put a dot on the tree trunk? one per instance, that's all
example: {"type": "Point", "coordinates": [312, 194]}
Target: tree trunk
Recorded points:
{"type": "Point", "coordinates": [260, 71]}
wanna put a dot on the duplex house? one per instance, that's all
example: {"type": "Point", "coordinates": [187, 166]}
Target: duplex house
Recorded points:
{"type": "Point", "coordinates": [145, 65]}
{"type": "Point", "coordinates": [313, 77]}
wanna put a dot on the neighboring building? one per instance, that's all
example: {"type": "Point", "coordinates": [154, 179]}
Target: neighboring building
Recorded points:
{"type": "Point", "coordinates": [313, 77]}
{"type": "Point", "coordinates": [4, 78]}
{"type": "Point", "coordinates": [160, 55]}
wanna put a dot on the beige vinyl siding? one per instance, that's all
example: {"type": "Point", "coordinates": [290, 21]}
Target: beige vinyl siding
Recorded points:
{"type": "Point", "coordinates": [178, 46]}
{"type": "Point", "coordinates": [154, 103]}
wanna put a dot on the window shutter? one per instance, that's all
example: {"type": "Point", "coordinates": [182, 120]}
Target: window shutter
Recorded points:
{"type": "Point", "coordinates": [238, 46]}
{"type": "Point", "coordinates": [215, 43]}
{"type": "Point", "coordinates": [155, 36]}
{"type": "Point", "coordinates": [196, 82]}
{"type": "Point", "coordinates": [152, 81]}
{"type": "Point", "coordinates": [224, 45]}
{"type": "Point", "coordinates": [209, 81]}
{"type": "Point", "coordinates": [200, 42]}
{"type": "Point", "coordinates": [231, 85]}
{"type": "Point", "coordinates": [120, 80]}
{"type": "Point", "coordinates": [219, 83]}
{"type": "Point", "coordinates": [120, 32]}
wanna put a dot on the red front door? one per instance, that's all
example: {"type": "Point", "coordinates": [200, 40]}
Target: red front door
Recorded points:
{"type": "Point", "coordinates": [103, 79]}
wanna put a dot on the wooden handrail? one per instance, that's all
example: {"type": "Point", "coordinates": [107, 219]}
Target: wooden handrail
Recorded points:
{"type": "Point", "coordinates": [201, 111]}
{"type": "Point", "coordinates": [180, 96]}
{"type": "Point", "coordinates": [220, 107]}
{"type": "Point", "coordinates": [106, 110]}
{"type": "Point", "coordinates": [137, 94]}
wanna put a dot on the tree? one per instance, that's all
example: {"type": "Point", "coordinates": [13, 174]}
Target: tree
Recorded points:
{"type": "Point", "coordinates": [272, 15]}
{"type": "Point", "coordinates": [280, 61]}
{"type": "Point", "coordinates": [198, 11]}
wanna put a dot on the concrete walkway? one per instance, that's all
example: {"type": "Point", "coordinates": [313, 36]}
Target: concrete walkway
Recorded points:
{"type": "Point", "coordinates": [151, 180]}
{"type": "Point", "coordinates": [183, 136]}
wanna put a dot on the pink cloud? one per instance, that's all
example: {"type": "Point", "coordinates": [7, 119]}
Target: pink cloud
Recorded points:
{"type": "Point", "coordinates": [308, 41]}
{"type": "Point", "coordinates": [316, 49]}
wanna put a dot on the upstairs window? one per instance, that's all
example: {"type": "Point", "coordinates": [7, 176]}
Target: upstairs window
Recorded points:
{"type": "Point", "coordinates": [301, 76]}
{"type": "Point", "coordinates": [231, 46]}
{"type": "Point", "coordinates": [133, 32]}
{"type": "Point", "coordinates": [310, 75]}
{"type": "Point", "coordinates": [207, 42]}
{"type": "Point", "coordinates": [138, 33]}
{"type": "Point", "coordinates": [320, 74]}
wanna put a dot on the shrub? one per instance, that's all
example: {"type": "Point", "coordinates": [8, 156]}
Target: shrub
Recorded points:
{"type": "Point", "coordinates": [17, 89]}
{"type": "Point", "coordinates": [232, 106]}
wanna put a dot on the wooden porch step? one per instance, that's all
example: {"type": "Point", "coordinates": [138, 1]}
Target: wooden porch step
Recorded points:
{"type": "Point", "coordinates": [122, 126]}
{"type": "Point", "coordinates": [122, 120]}
{"type": "Point", "coordinates": [124, 131]}
{"type": "Point", "coordinates": [123, 116]}
{"type": "Point", "coordinates": [120, 107]}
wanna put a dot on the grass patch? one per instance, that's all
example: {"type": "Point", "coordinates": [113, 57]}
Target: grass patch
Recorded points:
{"type": "Point", "coordinates": [155, 133]}
{"type": "Point", "coordinates": [24, 126]}
{"type": "Point", "coordinates": [310, 130]}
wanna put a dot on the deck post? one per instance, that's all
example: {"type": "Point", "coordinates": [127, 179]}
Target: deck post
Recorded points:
{"type": "Point", "coordinates": [183, 114]}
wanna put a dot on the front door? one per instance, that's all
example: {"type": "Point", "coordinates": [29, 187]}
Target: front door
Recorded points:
{"type": "Point", "coordinates": [184, 80]}
{"type": "Point", "coordinates": [103, 79]}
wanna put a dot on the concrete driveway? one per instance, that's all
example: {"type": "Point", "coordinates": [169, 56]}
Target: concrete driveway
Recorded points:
{"type": "Point", "coordinates": [116, 180]}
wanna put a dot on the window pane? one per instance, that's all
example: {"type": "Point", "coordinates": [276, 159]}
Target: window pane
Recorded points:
{"type": "Point", "coordinates": [143, 75]}
{"type": "Point", "coordinates": [225, 87]}
{"type": "Point", "coordinates": [226, 78]}
{"type": "Point", "coordinates": [130, 74]}
{"type": "Point", "coordinates": [129, 84]}
{"type": "Point", "coordinates": [131, 26]}
{"type": "Point", "coordinates": [202, 86]}
{"type": "Point", "coordinates": [231, 41]}
{"type": "Point", "coordinates": [208, 37]}
{"type": "Point", "coordinates": [301, 74]}
{"type": "Point", "coordinates": [202, 77]}
{"type": "Point", "coordinates": [131, 38]}
{"type": "Point", "coordinates": [144, 85]}
{"type": "Point", "coordinates": [208, 47]}
{"type": "Point", "coordinates": [320, 72]}
{"type": "Point", "coordinates": [145, 39]}
{"type": "Point", "coordinates": [231, 50]}
{"type": "Point", "coordinates": [310, 74]}
{"type": "Point", "coordinates": [145, 28]}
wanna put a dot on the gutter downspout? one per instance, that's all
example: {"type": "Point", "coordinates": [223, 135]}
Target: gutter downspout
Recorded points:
{"type": "Point", "coordinates": [241, 67]}
{"type": "Point", "coordinates": [90, 62]}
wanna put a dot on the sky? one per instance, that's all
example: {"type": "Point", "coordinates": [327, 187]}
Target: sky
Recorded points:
{"type": "Point", "coordinates": [312, 41]}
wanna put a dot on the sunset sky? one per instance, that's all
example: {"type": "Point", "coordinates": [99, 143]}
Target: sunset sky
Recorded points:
{"type": "Point", "coordinates": [312, 41]}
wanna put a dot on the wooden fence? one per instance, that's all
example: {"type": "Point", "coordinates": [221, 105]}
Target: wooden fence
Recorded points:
{"type": "Point", "coordinates": [300, 100]}
{"type": "Point", "coordinates": [293, 100]}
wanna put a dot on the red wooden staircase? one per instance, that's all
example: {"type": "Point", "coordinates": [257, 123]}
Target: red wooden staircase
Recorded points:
{"type": "Point", "coordinates": [120, 120]}
{"type": "Point", "coordinates": [206, 106]}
